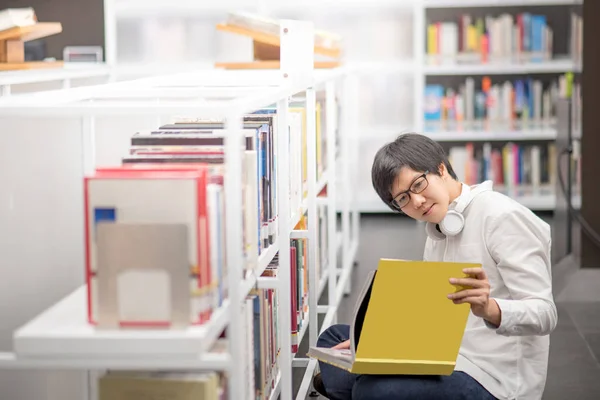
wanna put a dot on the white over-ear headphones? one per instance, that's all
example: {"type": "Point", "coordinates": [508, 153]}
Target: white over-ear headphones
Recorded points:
{"type": "Point", "coordinates": [454, 221]}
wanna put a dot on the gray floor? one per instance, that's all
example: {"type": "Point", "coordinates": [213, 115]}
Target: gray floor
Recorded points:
{"type": "Point", "coordinates": [574, 368]}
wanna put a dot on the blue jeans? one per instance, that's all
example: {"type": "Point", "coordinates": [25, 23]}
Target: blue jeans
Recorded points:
{"type": "Point", "coordinates": [342, 385]}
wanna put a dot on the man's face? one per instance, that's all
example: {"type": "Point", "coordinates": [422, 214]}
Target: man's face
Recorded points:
{"type": "Point", "coordinates": [428, 197]}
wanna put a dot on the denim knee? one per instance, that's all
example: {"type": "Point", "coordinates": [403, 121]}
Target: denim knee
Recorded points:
{"type": "Point", "coordinates": [366, 387]}
{"type": "Point", "coordinates": [333, 335]}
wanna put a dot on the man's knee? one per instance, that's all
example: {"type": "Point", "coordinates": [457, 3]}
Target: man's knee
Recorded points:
{"type": "Point", "coordinates": [334, 334]}
{"type": "Point", "coordinates": [366, 387]}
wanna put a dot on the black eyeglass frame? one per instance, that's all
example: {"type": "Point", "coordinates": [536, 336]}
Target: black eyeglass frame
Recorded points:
{"type": "Point", "coordinates": [394, 203]}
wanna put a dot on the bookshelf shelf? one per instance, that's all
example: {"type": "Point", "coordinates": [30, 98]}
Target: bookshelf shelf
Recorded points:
{"type": "Point", "coordinates": [62, 332]}
{"type": "Point", "coordinates": [560, 65]}
{"type": "Point", "coordinates": [492, 136]}
{"type": "Point", "coordinates": [60, 336]}
{"type": "Point", "coordinates": [205, 362]}
{"type": "Point", "coordinates": [469, 135]}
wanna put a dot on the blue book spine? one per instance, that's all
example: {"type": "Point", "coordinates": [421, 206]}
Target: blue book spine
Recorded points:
{"type": "Point", "coordinates": [433, 102]}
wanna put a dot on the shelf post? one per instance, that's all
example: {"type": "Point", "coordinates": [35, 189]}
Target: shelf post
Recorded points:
{"type": "Point", "coordinates": [234, 242]}
{"type": "Point", "coordinates": [297, 69]}
{"type": "Point", "coordinates": [283, 236]}
{"type": "Point", "coordinates": [313, 220]}
{"type": "Point", "coordinates": [331, 128]}
{"type": "Point", "coordinates": [352, 112]}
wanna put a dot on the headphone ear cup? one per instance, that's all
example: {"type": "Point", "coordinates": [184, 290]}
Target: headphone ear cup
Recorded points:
{"type": "Point", "coordinates": [453, 223]}
{"type": "Point", "coordinates": [433, 232]}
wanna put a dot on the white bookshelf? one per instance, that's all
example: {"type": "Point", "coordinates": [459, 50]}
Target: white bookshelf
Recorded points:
{"type": "Point", "coordinates": [103, 117]}
{"type": "Point", "coordinates": [66, 76]}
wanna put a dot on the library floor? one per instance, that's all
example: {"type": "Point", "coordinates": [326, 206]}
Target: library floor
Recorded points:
{"type": "Point", "coordinates": [574, 367]}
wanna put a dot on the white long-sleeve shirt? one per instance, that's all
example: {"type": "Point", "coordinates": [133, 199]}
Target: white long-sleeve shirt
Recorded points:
{"type": "Point", "coordinates": [513, 245]}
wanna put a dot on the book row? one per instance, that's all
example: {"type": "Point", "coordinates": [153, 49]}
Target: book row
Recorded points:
{"type": "Point", "coordinates": [168, 194]}
{"type": "Point", "coordinates": [127, 385]}
{"type": "Point", "coordinates": [524, 37]}
{"type": "Point", "coordinates": [262, 332]}
{"type": "Point", "coordinates": [525, 101]}
{"type": "Point", "coordinates": [509, 165]}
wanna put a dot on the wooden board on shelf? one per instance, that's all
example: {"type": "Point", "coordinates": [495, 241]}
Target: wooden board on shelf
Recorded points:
{"type": "Point", "coordinates": [32, 32]}
{"type": "Point", "coordinates": [12, 45]}
{"type": "Point", "coordinates": [267, 49]}
{"type": "Point", "coordinates": [11, 66]}
{"type": "Point", "coordinates": [270, 64]}
{"type": "Point", "coordinates": [266, 38]}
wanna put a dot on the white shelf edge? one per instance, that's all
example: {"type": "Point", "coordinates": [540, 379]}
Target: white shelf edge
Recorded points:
{"type": "Point", "coordinates": [277, 389]}
{"type": "Point", "coordinates": [322, 182]}
{"type": "Point", "coordinates": [69, 71]}
{"type": "Point", "coordinates": [142, 8]}
{"type": "Point", "coordinates": [496, 3]}
{"type": "Point", "coordinates": [206, 362]}
{"type": "Point", "coordinates": [441, 135]}
{"type": "Point", "coordinates": [499, 135]}
{"type": "Point", "coordinates": [253, 279]}
{"type": "Point", "coordinates": [63, 331]}
{"type": "Point", "coordinates": [452, 69]}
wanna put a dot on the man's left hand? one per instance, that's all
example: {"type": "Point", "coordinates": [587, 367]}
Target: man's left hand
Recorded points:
{"type": "Point", "coordinates": [477, 295]}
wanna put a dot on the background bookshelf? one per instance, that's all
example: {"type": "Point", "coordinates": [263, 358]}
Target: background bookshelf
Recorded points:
{"type": "Point", "coordinates": [79, 136]}
{"type": "Point", "coordinates": [494, 73]}
{"type": "Point", "coordinates": [394, 40]}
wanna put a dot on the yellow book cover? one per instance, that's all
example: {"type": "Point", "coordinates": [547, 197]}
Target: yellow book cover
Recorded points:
{"type": "Point", "coordinates": [404, 323]}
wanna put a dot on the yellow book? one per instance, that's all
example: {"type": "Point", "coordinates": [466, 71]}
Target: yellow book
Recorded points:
{"type": "Point", "coordinates": [404, 323]}
{"type": "Point", "coordinates": [472, 38]}
{"type": "Point", "coordinates": [432, 39]}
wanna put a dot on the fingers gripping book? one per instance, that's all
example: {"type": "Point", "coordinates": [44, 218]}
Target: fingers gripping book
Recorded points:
{"type": "Point", "coordinates": [403, 322]}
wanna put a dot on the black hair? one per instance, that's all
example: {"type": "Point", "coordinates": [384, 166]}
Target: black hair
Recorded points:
{"type": "Point", "coordinates": [412, 150]}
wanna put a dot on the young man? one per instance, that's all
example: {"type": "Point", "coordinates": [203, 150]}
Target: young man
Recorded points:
{"type": "Point", "coordinates": [504, 351]}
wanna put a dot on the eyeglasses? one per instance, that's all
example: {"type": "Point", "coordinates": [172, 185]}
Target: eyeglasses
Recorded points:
{"type": "Point", "coordinates": [418, 185]}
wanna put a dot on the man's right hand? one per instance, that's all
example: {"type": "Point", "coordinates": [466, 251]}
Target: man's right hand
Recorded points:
{"type": "Point", "coordinates": [343, 345]}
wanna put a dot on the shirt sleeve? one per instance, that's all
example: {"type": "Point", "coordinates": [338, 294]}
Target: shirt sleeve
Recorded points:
{"type": "Point", "coordinates": [521, 246]}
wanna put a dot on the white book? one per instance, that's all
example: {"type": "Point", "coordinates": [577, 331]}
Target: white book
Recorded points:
{"type": "Point", "coordinates": [507, 37]}
{"type": "Point", "coordinates": [470, 99]}
{"type": "Point", "coordinates": [449, 37]}
{"type": "Point", "coordinates": [507, 89]}
{"type": "Point", "coordinates": [17, 17]}
{"type": "Point", "coordinates": [458, 158]}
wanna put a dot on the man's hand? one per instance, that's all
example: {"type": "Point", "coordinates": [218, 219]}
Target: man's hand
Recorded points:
{"type": "Point", "coordinates": [477, 294]}
{"type": "Point", "coordinates": [344, 345]}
